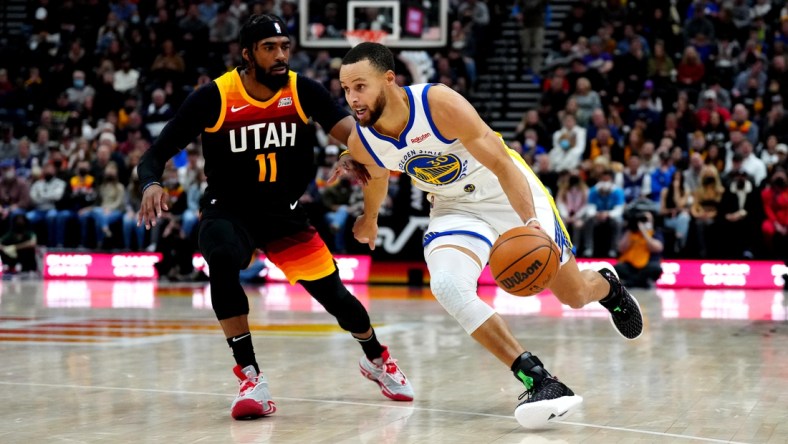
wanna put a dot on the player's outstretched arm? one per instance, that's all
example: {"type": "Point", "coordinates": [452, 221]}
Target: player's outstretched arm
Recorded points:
{"type": "Point", "coordinates": [455, 118]}
{"type": "Point", "coordinates": [346, 164]}
{"type": "Point", "coordinates": [365, 229]}
{"type": "Point", "coordinates": [199, 111]}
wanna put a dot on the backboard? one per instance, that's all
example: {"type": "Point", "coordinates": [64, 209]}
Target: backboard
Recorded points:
{"type": "Point", "coordinates": [409, 23]}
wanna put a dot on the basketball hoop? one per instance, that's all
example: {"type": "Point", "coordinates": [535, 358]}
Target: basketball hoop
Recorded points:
{"type": "Point", "coordinates": [356, 36]}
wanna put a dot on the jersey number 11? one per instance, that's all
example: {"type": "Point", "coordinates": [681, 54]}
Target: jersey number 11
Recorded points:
{"type": "Point", "coordinates": [263, 160]}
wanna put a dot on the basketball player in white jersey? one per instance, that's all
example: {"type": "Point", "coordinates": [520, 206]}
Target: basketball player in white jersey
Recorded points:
{"type": "Point", "coordinates": [477, 188]}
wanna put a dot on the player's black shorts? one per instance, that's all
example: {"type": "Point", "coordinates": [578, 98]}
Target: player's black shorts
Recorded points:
{"type": "Point", "coordinates": [286, 238]}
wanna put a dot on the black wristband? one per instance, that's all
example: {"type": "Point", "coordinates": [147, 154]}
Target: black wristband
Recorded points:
{"type": "Point", "coordinates": [149, 185]}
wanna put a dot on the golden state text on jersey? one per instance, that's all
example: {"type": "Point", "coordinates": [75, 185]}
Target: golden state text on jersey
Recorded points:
{"type": "Point", "coordinates": [437, 164]}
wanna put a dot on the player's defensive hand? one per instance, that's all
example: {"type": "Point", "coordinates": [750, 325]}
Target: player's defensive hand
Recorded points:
{"type": "Point", "coordinates": [365, 230]}
{"type": "Point", "coordinates": [346, 165]}
{"type": "Point", "coordinates": [154, 200]}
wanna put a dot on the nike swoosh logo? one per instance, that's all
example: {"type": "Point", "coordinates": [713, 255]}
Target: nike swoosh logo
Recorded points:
{"type": "Point", "coordinates": [293, 205]}
{"type": "Point", "coordinates": [233, 109]}
{"type": "Point", "coordinates": [244, 336]}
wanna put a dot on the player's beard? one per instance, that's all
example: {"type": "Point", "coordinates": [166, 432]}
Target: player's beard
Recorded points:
{"type": "Point", "coordinates": [376, 112]}
{"type": "Point", "coordinates": [274, 82]}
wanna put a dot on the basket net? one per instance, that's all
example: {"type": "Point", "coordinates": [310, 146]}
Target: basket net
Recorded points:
{"type": "Point", "coordinates": [357, 36]}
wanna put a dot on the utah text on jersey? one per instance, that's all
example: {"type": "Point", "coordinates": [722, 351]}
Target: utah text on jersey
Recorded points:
{"type": "Point", "coordinates": [274, 138]}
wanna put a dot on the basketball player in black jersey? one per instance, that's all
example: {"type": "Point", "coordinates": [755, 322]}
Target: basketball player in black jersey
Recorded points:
{"type": "Point", "coordinates": [258, 149]}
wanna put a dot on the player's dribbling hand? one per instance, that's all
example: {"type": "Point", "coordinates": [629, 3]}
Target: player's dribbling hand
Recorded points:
{"type": "Point", "coordinates": [365, 230]}
{"type": "Point", "coordinates": [534, 223]}
{"type": "Point", "coordinates": [154, 200]}
{"type": "Point", "coordinates": [346, 165]}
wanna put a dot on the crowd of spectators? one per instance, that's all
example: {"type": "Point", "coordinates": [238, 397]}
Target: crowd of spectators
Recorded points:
{"type": "Point", "coordinates": [91, 84]}
{"type": "Point", "coordinates": [670, 107]}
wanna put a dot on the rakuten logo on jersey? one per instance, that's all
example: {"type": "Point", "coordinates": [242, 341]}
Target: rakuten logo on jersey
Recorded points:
{"type": "Point", "coordinates": [421, 138]}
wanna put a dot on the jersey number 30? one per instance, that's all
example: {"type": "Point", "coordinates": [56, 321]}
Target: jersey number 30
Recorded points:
{"type": "Point", "coordinates": [263, 160]}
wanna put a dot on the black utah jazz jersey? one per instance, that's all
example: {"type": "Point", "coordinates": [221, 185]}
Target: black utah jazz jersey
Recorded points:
{"type": "Point", "coordinates": [259, 156]}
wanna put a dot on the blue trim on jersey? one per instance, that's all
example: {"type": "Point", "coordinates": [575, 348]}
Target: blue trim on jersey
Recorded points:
{"type": "Point", "coordinates": [560, 238]}
{"type": "Point", "coordinates": [366, 145]}
{"type": "Point", "coordinates": [431, 236]}
{"type": "Point", "coordinates": [402, 142]}
{"type": "Point", "coordinates": [427, 112]}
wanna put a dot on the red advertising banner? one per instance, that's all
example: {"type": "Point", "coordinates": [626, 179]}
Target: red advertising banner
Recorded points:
{"type": "Point", "coordinates": [125, 266]}
{"type": "Point", "coordinates": [722, 274]}
{"type": "Point", "coordinates": [356, 269]}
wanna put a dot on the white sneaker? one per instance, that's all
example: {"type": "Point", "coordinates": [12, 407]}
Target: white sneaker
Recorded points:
{"type": "Point", "coordinates": [253, 399]}
{"type": "Point", "coordinates": [385, 372]}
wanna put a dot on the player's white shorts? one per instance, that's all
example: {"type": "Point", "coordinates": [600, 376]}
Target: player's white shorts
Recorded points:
{"type": "Point", "coordinates": [475, 220]}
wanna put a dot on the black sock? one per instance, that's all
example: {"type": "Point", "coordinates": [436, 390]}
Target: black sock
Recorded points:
{"type": "Point", "coordinates": [529, 370]}
{"type": "Point", "coordinates": [371, 346]}
{"type": "Point", "coordinates": [243, 351]}
{"type": "Point", "coordinates": [612, 297]}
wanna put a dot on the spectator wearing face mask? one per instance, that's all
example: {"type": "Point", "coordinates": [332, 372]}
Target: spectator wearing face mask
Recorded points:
{"type": "Point", "coordinates": [605, 216]}
{"type": "Point", "coordinates": [79, 90]}
{"type": "Point", "coordinates": [14, 194]}
{"type": "Point", "coordinates": [569, 143]}
{"type": "Point", "coordinates": [531, 147]}
{"type": "Point", "coordinates": [775, 205]}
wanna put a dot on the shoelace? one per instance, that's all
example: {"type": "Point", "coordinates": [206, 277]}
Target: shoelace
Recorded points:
{"type": "Point", "coordinates": [530, 392]}
{"type": "Point", "coordinates": [248, 384]}
{"type": "Point", "coordinates": [391, 365]}
{"type": "Point", "coordinates": [527, 393]}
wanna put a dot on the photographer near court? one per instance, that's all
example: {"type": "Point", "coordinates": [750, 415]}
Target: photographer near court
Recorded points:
{"type": "Point", "coordinates": [640, 250]}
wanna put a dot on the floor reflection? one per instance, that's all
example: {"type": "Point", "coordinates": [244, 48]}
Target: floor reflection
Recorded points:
{"type": "Point", "coordinates": [762, 305]}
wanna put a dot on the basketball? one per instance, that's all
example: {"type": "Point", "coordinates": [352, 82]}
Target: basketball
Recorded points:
{"type": "Point", "coordinates": [524, 261]}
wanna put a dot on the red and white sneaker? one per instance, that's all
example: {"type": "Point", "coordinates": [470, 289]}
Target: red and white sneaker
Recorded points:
{"type": "Point", "coordinates": [253, 399]}
{"type": "Point", "coordinates": [385, 372]}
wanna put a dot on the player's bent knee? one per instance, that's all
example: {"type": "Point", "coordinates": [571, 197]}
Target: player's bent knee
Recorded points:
{"type": "Point", "coordinates": [458, 297]}
{"type": "Point", "coordinates": [227, 295]}
{"type": "Point", "coordinates": [453, 277]}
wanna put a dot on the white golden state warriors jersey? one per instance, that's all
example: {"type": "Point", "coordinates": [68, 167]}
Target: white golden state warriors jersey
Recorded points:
{"type": "Point", "coordinates": [437, 165]}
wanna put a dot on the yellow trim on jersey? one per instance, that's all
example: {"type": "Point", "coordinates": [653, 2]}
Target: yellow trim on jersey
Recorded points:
{"type": "Point", "coordinates": [223, 83]}
{"type": "Point", "coordinates": [296, 101]}
{"type": "Point", "coordinates": [249, 98]}
{"type": "Point", "coordinates": [516, 156]}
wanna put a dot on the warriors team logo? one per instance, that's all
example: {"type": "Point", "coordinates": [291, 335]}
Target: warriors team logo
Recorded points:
{"type": "Point", "coordinates": [435, 170]}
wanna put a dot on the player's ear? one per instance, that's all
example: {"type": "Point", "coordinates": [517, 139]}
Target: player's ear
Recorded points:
{"type": "Point", "coordinates": [390, 77]}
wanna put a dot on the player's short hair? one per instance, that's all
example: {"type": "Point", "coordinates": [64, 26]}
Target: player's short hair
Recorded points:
{"type": "Point", "coordinates": [378, 55]}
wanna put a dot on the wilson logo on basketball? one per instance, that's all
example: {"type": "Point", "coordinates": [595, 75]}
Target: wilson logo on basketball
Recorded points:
{"type": "Point", "coordinates": [518, 277]}
{"type": "Point", "coordinates": [421, 138]}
